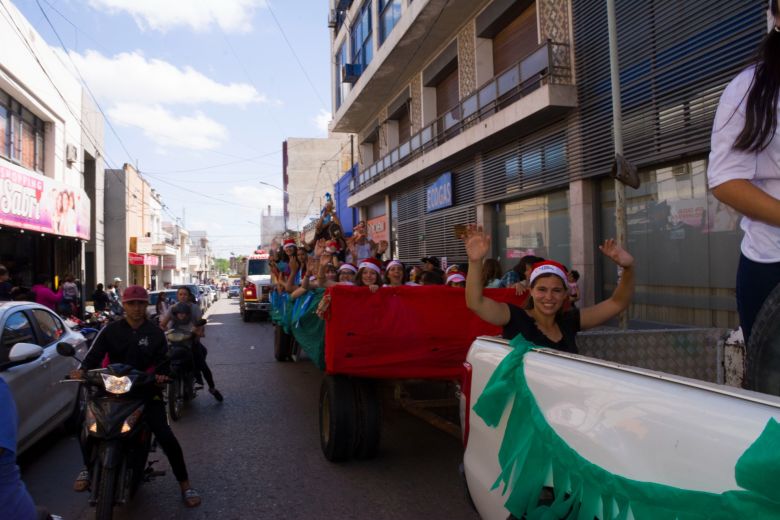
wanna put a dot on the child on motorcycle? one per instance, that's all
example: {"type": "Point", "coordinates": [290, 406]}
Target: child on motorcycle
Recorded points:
{"type": "Point", "coordinates": [199, 352]}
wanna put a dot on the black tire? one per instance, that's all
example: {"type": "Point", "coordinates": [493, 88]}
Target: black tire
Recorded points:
{"type": "Point", "coordinates": [104, 509]}
{"type": "Point", "coordinates": [762, 371]}
{"type": "Point", "coordinates": [175, 399]}
{"type": "Point", "coordinates": [368, 427]}
{"type": "Point", "coordinates": [337, 418]}
{"type": "Point", "coordinates": [282, 344]}
{"type": "Point", "coordinates": [246, 316]}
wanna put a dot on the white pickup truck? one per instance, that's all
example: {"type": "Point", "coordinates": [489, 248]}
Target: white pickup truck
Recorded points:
{"type": "Point", "coordinates": [599, 439]}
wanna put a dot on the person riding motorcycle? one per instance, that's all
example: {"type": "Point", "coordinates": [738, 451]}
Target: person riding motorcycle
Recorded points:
{"type": "Point", "coordinates": [137, 342]}
{"type": "Point", "coordinates": [199, 352]}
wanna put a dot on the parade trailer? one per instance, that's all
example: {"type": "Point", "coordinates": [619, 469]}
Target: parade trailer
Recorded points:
{"type": "Point", "coordinates": [365, 340]}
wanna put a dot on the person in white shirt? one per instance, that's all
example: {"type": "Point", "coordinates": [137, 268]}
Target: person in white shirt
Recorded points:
{"type": "Point", "coordinates": [744, 171]}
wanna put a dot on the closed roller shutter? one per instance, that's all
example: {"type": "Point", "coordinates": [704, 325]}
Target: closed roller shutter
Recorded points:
{"type": "Point", "coordinates": [518, 39]}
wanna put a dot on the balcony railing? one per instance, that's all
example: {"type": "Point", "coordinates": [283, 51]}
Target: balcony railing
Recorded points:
{"type": "Point", "coordinates": [549, 63]}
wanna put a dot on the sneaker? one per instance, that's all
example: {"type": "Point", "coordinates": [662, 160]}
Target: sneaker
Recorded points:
{"type": "Point", "coordinates": [217, 395]}
{"type": "Point", "coordinates": [82, 481]}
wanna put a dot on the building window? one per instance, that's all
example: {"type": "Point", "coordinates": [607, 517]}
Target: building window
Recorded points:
{"type": "Point", "coordinates": [341, 87]}
{"type": "Point", "coordinates": [389, 14]}
{"type": "Point", "coordinates": [21, 134]}
{"type": "Point", "coordinates": [687, 244]}
{"type": "Point", "coordinates": [362, 51]}
{"type": "Point", "coordinates": [536, 226]}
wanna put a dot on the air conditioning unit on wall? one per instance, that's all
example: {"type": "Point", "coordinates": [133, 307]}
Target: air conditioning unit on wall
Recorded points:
{"type": "Point", "coordinates": [350, 72]}
{"type": "Point", "coordinates": [71, 154]}
{"type": "Point", "coordinates": [332, 19]}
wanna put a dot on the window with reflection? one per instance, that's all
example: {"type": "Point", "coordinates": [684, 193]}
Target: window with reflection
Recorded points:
{"type": "Point", "coordinates": [17, 329]}
{"type": "Point", "coordinates": [360, 36]}
{"type": "Point", "coordinates": [389, 14]}
{"type": "Point", "coordinates": [537, 226]}
{"type": "Point", "coordinates": [686, 243]}
{"type": "Point", "coordinates": [51, 327]}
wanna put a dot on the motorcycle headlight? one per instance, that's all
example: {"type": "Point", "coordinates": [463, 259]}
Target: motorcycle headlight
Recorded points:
{"type": "Point", "coordinates": [117, 385]}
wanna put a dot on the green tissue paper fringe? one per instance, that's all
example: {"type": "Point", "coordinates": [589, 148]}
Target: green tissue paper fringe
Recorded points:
{"type": "Point", "coordinates": [583, 491]}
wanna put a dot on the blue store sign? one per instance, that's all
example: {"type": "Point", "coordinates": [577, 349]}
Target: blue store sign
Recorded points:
{"type": "Point", "coordinates": [439, 194]}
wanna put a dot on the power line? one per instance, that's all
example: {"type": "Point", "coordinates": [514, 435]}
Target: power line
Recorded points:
{"type": "Point", "coordinates": [83, 81]}
{"type": "Point", "coordinates": [303, 69]}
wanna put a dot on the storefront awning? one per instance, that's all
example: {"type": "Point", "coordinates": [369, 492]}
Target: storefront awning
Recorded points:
{"type": "Point", "coordinates": [138, 259]}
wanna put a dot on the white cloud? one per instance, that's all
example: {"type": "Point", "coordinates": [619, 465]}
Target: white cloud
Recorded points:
{"type": "Point", "coordinates": [258, 195]}
{"type": "Point", "coordinates": [199, 15]}
{"type": "Point", "coordinates": [321, 120]}
{"type": "Point", "coordinates": [131, 77]}
{"type": "Point", "coordinates": [196, 132]}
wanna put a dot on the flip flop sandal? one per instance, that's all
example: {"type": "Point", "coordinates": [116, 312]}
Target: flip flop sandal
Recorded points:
{"type": "Point", "coordinates": [82, 481]}
{"type": "Point", "coordinates": [191, 498]}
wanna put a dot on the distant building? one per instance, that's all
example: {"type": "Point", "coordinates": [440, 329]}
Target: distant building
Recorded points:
{"type": "Point", "coordinates": [311, 168]}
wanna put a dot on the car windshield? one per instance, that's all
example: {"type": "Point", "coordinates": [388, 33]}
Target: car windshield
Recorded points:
{"type": "Point", "coordinates": [255, 267]}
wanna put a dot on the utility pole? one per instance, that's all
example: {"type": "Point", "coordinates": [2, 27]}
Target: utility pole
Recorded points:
{"type": "Point", "coordinates": [617, 131]}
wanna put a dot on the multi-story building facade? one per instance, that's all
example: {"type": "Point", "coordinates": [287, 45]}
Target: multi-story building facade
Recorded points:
{"type": "Point", "coordinates": [132, 227]}
{"type": "Point", "coordinates": [51, 144]}
{"type": "Point", "coordinates": [310, 169]}
{"type": "Point", "coordinates": [175, 264]}
{"type": "Point", "coordinates": [499, 112]}
{"type": "Point", "coordinates": [200, 250]}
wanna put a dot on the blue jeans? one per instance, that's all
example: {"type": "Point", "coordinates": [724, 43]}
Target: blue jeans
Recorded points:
{"type": "Point", "coordinates": [754, 283]}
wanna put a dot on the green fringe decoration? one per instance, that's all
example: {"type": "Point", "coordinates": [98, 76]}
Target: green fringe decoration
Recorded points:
{"type": "Point", "coordinates": [308, 328]}
{"type": "Point", "coordinates": [531, 450]}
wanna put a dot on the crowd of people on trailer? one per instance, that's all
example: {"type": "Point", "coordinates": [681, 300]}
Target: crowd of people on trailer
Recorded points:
{"type": "Point", "coordinates": [551, 316]}
{"type": "Point", "coordinates": [324, 263]}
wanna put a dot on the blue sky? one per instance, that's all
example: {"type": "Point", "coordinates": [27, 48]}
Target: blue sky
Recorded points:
{"type": "Point", "coordinates": [201, 94]}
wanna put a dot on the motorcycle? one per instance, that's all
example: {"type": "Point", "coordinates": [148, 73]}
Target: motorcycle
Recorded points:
{"type": "Point", "coordinates": [181, 388]}
{"type": "Point", "coordinates": [120, 438]}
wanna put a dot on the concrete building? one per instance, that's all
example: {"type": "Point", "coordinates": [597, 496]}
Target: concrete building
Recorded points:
{"type": "Point", "coordinates": [271, 226]}
{"type": "Point", "coordinates": [176, 262]}
{"type": "Point", "coordinates": [132, 227]}
{"type": "Point", "coordinates": [499, 112]}
{"type": "Point", "coordinates": [51, 142]}
{"type": "Point", "coordinates": [200, 252]}
{"type": "Point", "coordinates": [311, 168]}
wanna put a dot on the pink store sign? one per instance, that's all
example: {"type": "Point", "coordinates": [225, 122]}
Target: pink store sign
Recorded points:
{"type": "Point", "coordinates": [37, 203]}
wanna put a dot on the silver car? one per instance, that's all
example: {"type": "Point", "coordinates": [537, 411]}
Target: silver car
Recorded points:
{"type": "Point", "coordinates": [29, 363]}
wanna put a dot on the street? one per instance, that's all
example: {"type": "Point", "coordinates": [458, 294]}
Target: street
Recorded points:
{"type": "Point", "coordinates": [257, 454]}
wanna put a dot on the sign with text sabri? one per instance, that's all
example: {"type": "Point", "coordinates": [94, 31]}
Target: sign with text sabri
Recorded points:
{"type": "Point", "coordinates": [439, 194]}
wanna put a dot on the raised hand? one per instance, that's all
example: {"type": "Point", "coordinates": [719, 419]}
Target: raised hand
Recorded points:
{"type": "Point", "coordinates": [477, 243]}
{"type": "Point", "coordinates": [617, 254]}
{"type": "Point", "coordinates": [319, 247]}
{"type": "Point", "coordinates": [325, 259]}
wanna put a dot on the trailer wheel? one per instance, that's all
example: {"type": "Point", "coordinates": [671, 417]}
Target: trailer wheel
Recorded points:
{"type": "Point", "coordinates": [762, 372]}
{"type": "Point", "coordinates": [337, 418]}
{"type": "Point", "coordinates": [368, 427]}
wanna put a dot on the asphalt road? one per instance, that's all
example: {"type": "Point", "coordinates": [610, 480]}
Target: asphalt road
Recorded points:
{"type": "Point", "coordinates": [257, 454]}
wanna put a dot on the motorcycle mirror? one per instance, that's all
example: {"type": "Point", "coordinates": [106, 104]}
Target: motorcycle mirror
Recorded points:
{"type": "Point", "coordinates": [65, 349]}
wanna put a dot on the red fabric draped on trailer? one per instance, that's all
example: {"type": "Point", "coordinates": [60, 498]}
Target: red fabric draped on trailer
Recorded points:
{"type": "Point", "coordinates": [403, 332]}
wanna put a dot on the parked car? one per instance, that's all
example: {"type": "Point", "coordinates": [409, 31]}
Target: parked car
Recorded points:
{"type": "Point", "coordinates": [29, 363]}
{"type": "Point", "coordinates": [208, 293]}
{"type": "Point", "coordinates": [195, 290]}
{"type": "Point", "coordinates": [214, 292]}
{"type": "Point", "coordinates": [234, 291]}
{"type": "Point", "coordinates": [151, 309]}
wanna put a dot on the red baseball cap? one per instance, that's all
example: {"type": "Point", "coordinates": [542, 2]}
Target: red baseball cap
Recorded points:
{"type": "Point", "coordinates": [135, 293]}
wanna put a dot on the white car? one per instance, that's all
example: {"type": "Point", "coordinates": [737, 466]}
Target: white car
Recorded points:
{"type": "Point", "coordinates": [29, 363]}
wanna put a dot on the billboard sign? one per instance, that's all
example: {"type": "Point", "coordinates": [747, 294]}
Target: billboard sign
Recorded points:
{"type": "Point", "coordinates": [439, 194]}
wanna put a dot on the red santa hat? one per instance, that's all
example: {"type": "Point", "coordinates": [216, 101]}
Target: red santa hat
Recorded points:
{"type": "Point", "coordinates": [348, 267]}
{"type": "Point", "coordinates": [288, 242]}
{"type": "Point", "coordinates": [455, 277]}
{"type": "Point", "coordinates": [371, 263]}
{"type": "Point", "coordinates": [549, 267]}
{"type": "Point", "coordinates": [332, 247]}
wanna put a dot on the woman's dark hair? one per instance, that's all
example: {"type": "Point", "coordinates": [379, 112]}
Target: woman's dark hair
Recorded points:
{"type": "Point", "coordinates": [575, 274]}
{"type": "Point", "coordinates": [431, 278]}
{"type": "Point", "coordinates": [99, 287]}
{"type": "Point", "coordinates": [491, 270]}
{"type": "Point", "coordinates": [191, 297]}
{"type": "Point", "coordinates": [524, 262]}
{"type": "Point", "coordinates": [761, 105]}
